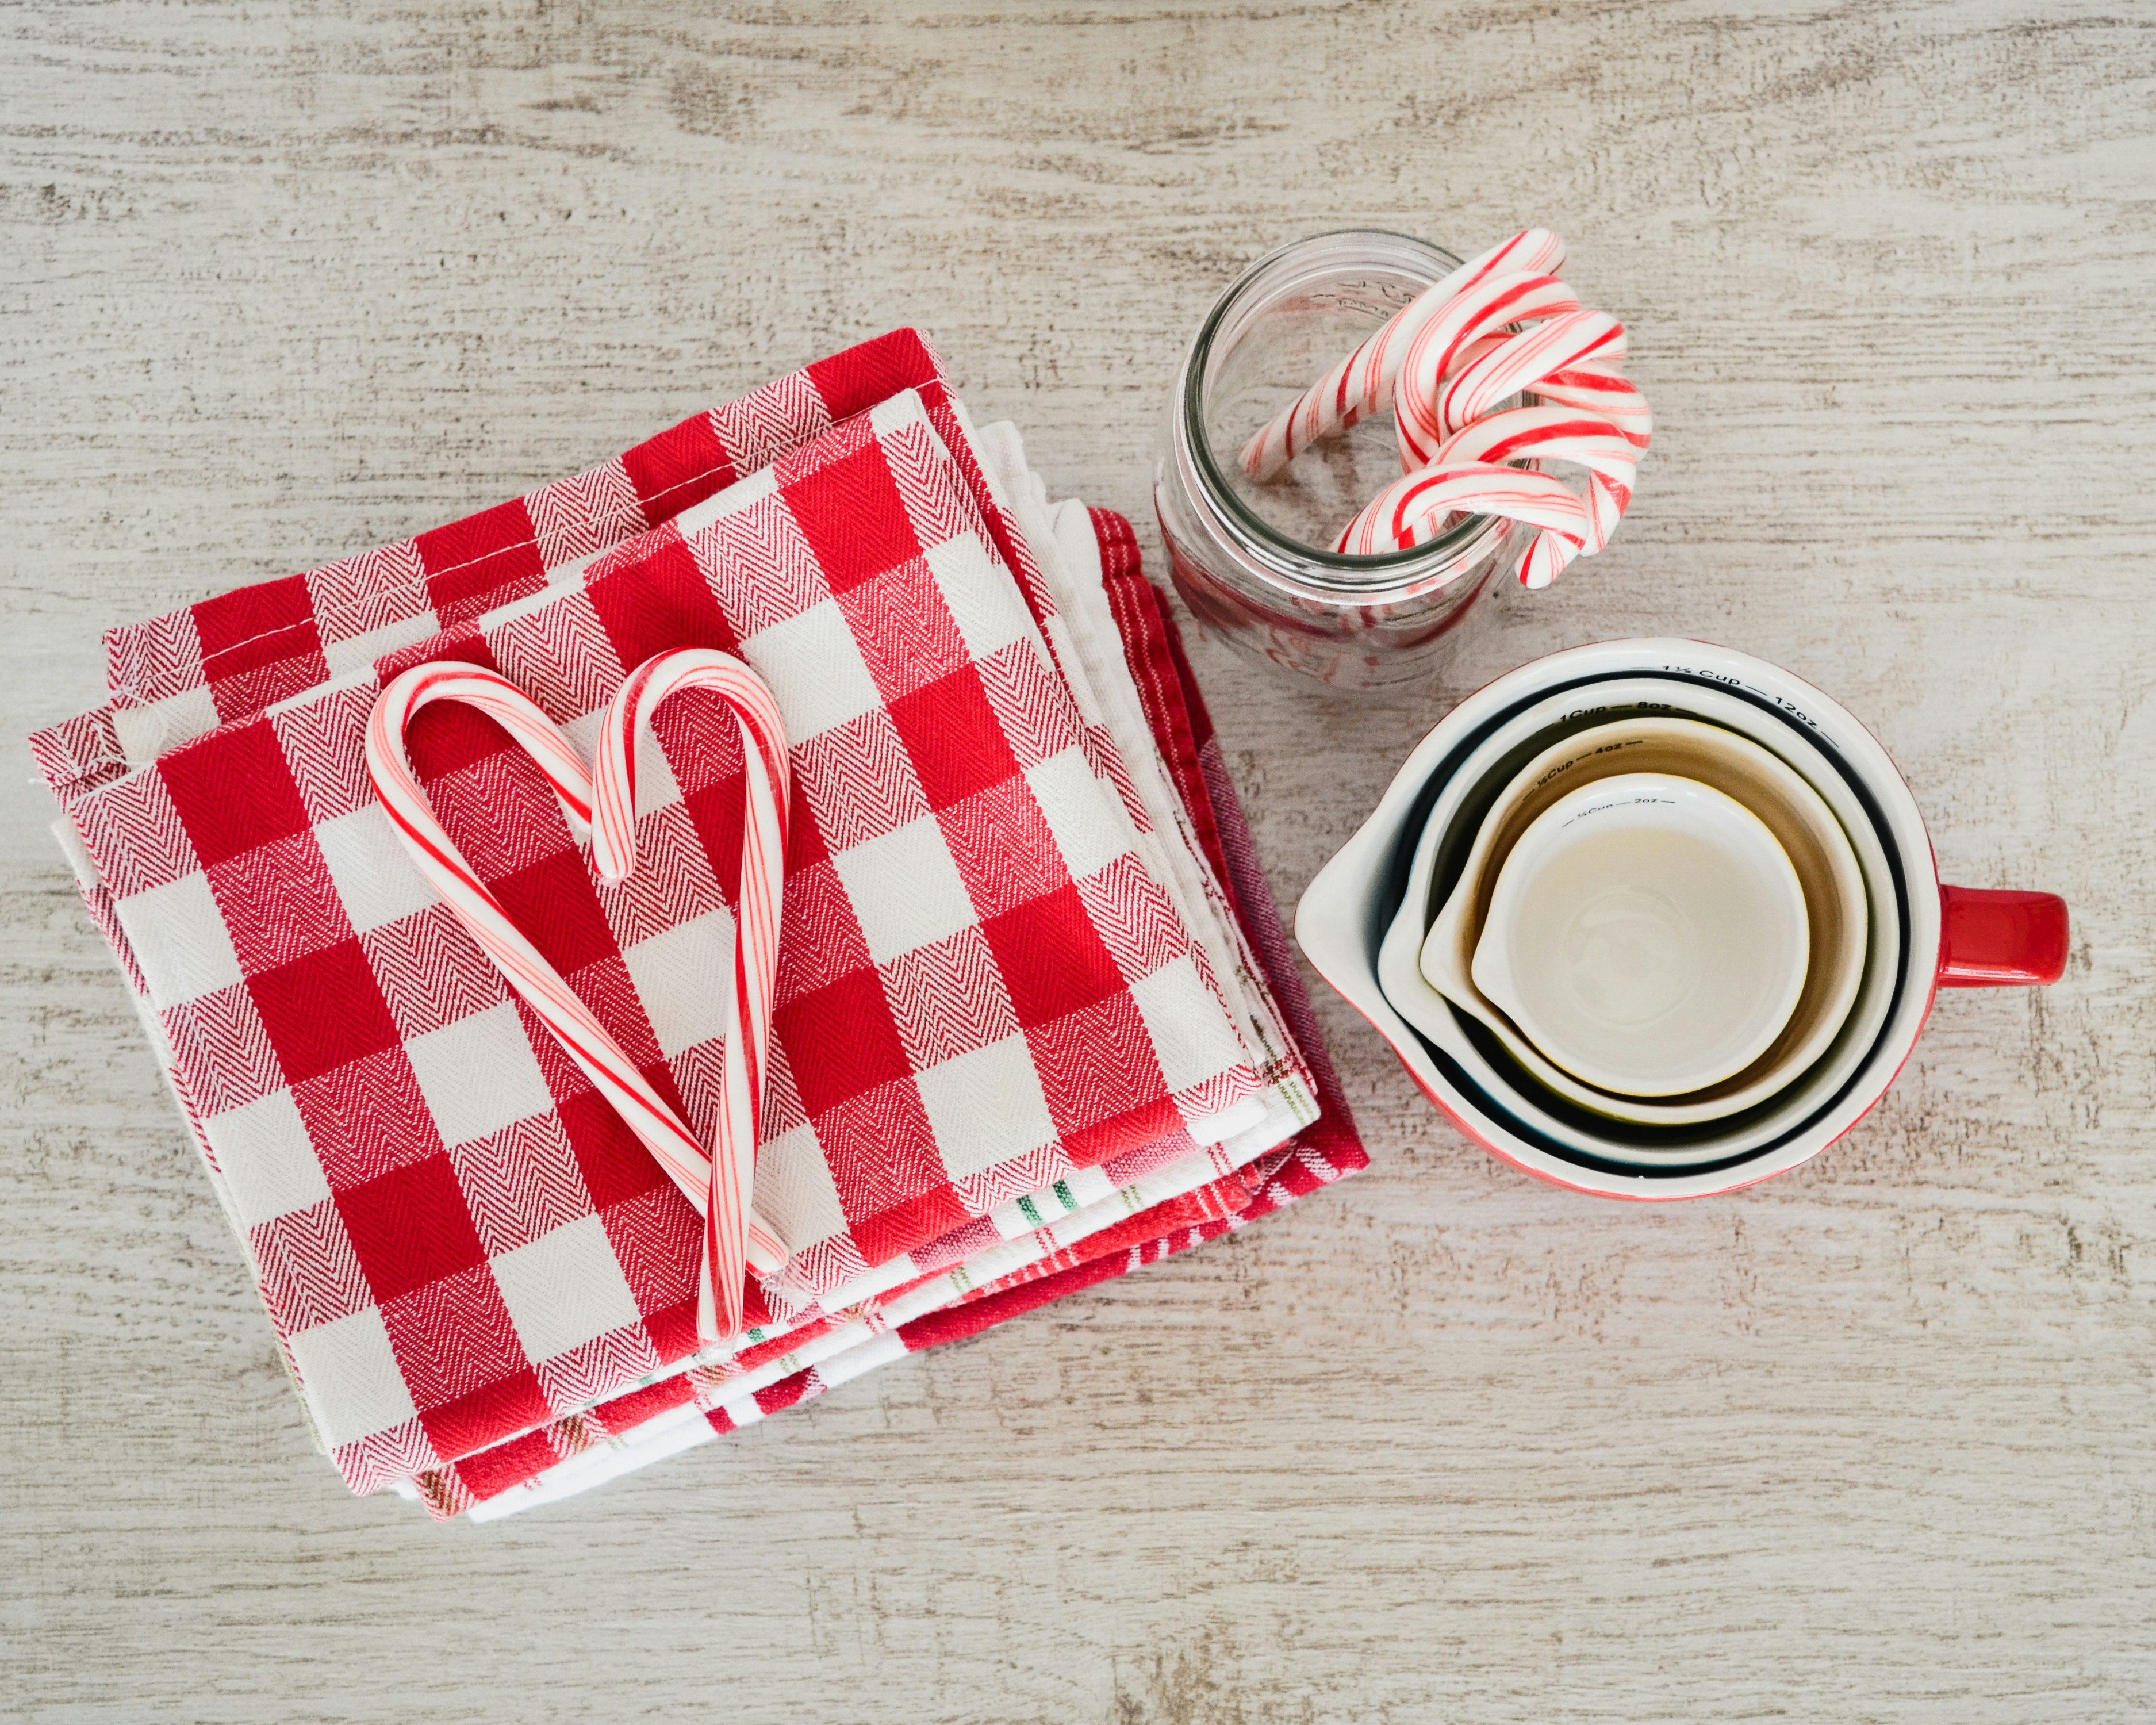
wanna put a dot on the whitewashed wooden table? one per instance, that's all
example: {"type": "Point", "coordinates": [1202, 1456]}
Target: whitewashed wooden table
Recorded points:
{"type": "Point", "coordinates": [1873, 1442]}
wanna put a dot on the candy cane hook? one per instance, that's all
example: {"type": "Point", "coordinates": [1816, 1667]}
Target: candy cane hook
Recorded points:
{"type": "Point", "coordinates": [717, 1186]}
{"type": "Point", "coordinates": [734, 1240]}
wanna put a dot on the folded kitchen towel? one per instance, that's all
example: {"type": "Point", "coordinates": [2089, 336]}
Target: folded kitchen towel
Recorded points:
{"type": "Point", "coordinates": [653, 1423]}
{"type": "Point", "coordinates": [455, 1264]}
{"type": "Point", "coordinates": [650, 1424]}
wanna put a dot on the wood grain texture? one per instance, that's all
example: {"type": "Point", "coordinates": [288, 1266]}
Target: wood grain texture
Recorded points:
{"type": "Point", "coordinates": [1871, 1443]}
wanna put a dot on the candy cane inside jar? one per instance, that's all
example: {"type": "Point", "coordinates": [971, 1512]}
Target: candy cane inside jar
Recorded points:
{"type": "Point", "coordinates": [1479, 340]}
{"type": "Point", "coordinates": [1257, 561]}
{"type": "Point", "coordinates": [1281, 434]}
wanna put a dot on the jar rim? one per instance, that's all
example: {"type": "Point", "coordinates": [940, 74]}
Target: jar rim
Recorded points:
{"type": "Point", "coordinates": [1319, 567]}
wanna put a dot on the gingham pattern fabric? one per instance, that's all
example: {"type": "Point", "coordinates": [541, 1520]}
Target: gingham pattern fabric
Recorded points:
{"type": "Point", "coordinates": [1321, 1153]}
{"type": "Point", "coordinates": [650, 1424]}
{"type": "Point", "coordinates": [243, 671]}
{"type": "Point", "coordinates": [178, 676]}
{"type": "Point", "coordinates": [416, 1230]}
{"type": "Point", "coordinates": [1070, 1251]}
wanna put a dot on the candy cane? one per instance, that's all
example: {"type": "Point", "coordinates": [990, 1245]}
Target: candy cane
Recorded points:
{"type": "Point", "coordinates": [1570, 358]}
{"type": "Point", "coordinates": [1602, 390]}
{"type": "Point", "coordinates": [1461, 334]}
{"type": "Point", "coordinates": [1465, 353]}
{"type": "Point", "coordinates": [1554, 433]}
{"type": "Point", "coordinates": [1414, 508]}
{"type": "Point", "coordinates": [1523, 361]}
{"type": "Point", "coordinates": [733, 1239]}
{"type": "Point", "coordinates": [1579, 346]}
{"type": "Point", "coordinates": [1363, 382]}
{"type": "Point", "coordinates": [587, 1041]}
{"type": "Point", "coordinates": [1540, 499]}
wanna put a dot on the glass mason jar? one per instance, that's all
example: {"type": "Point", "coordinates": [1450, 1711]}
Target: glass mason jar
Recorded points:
{"type": "Point", "coordinates": [1251, 560]}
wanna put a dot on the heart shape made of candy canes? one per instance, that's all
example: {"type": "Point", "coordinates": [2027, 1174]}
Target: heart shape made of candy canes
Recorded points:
{"type": "Point", "coordinates": [718, 1183]}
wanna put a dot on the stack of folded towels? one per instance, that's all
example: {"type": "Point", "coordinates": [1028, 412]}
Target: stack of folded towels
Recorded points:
{"type": "Point", "coordinates": [1035, 1021]}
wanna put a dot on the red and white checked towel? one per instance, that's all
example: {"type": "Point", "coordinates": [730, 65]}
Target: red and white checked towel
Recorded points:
{"type": "Point", "coordinates": [650, 1424]}
{"type": "Point", "coordinates": [653, 1423]}
{"type": "Point", "coordinates": [246, 881]}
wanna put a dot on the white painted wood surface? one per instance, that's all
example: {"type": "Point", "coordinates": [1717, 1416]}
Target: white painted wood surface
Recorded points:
{"type": "Point", "coordinates": [1874, 1442]}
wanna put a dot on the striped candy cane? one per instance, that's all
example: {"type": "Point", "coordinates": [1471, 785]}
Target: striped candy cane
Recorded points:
{"type": "Point", "coordinates": [1594, 417]}
{"type": "Point", "coordinates": [733, 1239]}
{"type": "Point", "coordinates": [587, 1041]}
{"type": "Point", "coordinates": [1460, 477]}
{"type": "Point", "coordinates": [1522, 362]}
{"type": "Point", "coordinates": [1465, 353]}
{"type": "Point", "coordinates": [1540, 499]}
{"type": "Point", "coordinates": [1600, 388]}
{"type": "Point", "coordinates": [1556, 433]}
{"type": "Point", "coordinates": [1362, 384]}
{"type": "Point", "coordinates": [1458, 337]}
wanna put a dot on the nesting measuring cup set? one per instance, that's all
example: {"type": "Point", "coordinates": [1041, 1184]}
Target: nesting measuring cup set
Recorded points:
{"type": "Point", "coordinates": [1655, 919]}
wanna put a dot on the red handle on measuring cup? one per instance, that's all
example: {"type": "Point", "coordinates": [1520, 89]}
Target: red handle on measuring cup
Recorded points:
{"type": "Point", "coordinates": [2000, 940]}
